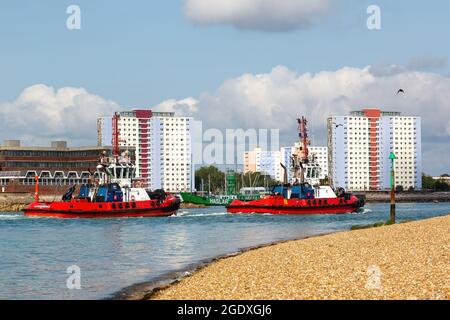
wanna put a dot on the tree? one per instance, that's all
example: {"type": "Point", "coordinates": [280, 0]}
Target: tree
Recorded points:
{"type": "Point", "coordinates": [399, 188]}
{"type": "Point", "coordinates": [441, 185]}
{"type": "Point", "coordinates": [325, 181]}
{"type": "Point", "coordinates": [436, 185]}
{"type": "Point", "coordinates": [213, 179]}
{"type": "Point", "coordinates": [428, 182]}
{"type": "Point", "coordinates": [256, 179]}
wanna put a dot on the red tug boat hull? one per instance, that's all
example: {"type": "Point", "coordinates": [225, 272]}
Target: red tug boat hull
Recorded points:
{"type": "Point", "coordinates": [78, 208]}
{"type": "Point", "coordinates": [301, 197]}
{"type": "Point", "coordinates": [116, 194]}
{"type": "Point", "coordinates": [280, 205]}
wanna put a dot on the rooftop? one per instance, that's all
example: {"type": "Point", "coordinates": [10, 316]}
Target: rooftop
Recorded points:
{"type": "Point", "coordinates": [55, 146]}
{"type": "Point", "coordinates": [370, 111]}
{"type": "Point", "coordinates": [145, 113]}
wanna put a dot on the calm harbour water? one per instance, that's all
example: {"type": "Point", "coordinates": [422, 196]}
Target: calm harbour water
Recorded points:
{"type": "Point", "coordinates": [115, 253]}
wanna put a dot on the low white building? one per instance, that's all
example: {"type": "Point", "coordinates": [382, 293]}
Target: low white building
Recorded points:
{"type": "Point", "coordinates": [269, 161]}
{"type": "Point", "coordinates": [321, 155]}
{"type": "Point", "coordinates": [286, 154]}
{"type": "Point", "coordinates": [265, 162]}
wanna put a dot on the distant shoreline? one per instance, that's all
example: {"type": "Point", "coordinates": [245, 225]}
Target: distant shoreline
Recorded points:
{"type": "Point", "coordinates": [384, 196]}
{"type": "Point", "coordinates": [16, 202]}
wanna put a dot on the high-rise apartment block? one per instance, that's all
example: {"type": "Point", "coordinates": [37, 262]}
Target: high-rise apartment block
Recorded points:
{"type": "Point", "coordinates": [359, 146]}
{"type": "Point", "coordinates": [163, 145]}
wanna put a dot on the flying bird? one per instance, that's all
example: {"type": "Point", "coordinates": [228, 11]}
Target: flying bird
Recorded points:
{"type": "Point", "coordinates": [338, 125]}
{"type": "Point", "coordinates": [400, 91]}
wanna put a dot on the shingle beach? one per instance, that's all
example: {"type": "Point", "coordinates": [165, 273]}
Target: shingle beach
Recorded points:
{"type": "Point", "coordinates": [403, 261]}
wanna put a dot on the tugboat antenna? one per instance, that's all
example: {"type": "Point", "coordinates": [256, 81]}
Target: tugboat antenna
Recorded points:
{"type": "Point", "coordinates": [115, 136]}
{"type": "Point", "coordinates": [300, 158]}
{"type": "Point", "coordinates": [303, 137]}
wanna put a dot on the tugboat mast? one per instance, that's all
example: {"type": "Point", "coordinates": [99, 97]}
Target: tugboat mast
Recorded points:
{"type": "Point", "coordinates": [303, 137]}
{"type": "Point", "coordinates": [300, 159]}
{"type": "Point", "coordinates": [115, 137]}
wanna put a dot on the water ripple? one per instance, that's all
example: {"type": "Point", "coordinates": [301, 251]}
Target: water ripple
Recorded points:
{"type": "Point", "coordinates": [115, 253]}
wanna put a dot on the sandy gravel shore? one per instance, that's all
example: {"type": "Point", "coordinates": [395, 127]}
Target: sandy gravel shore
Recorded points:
{"type": "Point", "coordinates": [403, 261]}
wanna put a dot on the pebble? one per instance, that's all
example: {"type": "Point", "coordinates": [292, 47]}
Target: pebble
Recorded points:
{"type": "Point", "coordinates": [402, 261]}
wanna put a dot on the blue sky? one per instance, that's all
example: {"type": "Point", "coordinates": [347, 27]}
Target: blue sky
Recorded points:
{"type": "Point", "coordinates": [141, 52]}
{"type": "Point", "coordinates": [153, 53]}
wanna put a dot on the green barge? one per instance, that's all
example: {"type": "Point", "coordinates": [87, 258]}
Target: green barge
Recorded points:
{"type": "Point", "coordinates": [216, 200]}
{"type": "Point", "coordinates": [231, 193]}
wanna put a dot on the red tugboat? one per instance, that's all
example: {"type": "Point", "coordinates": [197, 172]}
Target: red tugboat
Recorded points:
{"type": "Point", "coordinates": [305, 195]}
{"type": "Point", "coordinates": [114, 196]}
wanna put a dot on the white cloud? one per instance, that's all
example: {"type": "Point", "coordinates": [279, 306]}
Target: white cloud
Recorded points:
{"type": "Point", "coordinates": [180, 107]}
{"type": "Point", "coordinates": [268, 100]}
{"type": "Point", "coordinates": [42, 113]}
{"type": "Point", "coordinates": [420, 63]}
{"type": "Point", "coordinates": [276, 99]}
{"type": "Point", "coordinates": [262, 15]}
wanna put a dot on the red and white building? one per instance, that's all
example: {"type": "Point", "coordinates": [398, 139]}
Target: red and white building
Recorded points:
{"type": "Point", "coordinates": [163, 146]}
{"type": "Point", "coordinates": [359, 146]}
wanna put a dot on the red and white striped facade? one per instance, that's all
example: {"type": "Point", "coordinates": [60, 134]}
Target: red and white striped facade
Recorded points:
{"type": "Point", "coordinates": [163, 147]}
{"type": "Point", "coordinates": [142, 148]}
{"type": "Point", "coordinates": [360, 144]}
